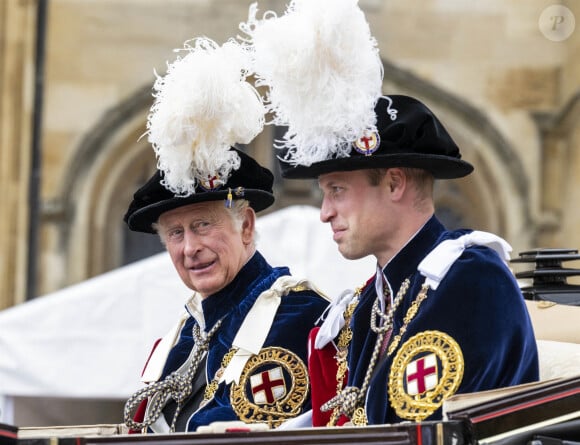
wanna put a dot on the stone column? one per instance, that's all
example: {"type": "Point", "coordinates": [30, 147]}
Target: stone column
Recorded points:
{"type": "Point", "coordinates": [17, 47]}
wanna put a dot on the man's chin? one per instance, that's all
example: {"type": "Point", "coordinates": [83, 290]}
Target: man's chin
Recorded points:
{"type": "Point", "coordinates": [349, 254]}
{"type": "Point", "coordinates": [206, 287]}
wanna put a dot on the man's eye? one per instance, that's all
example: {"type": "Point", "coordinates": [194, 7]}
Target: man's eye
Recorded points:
{"type": "Point", "coordinates": [175, 233]}
{"type": "Point", "coordinates": [201, 226]}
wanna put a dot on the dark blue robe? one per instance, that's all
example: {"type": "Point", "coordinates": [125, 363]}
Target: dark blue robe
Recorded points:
{"type": "Point", "coordinates": [478, 304]}
{"type": "Point", "coordinates": [297, 313]}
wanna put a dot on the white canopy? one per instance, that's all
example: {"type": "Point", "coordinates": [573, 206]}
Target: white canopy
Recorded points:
{"type": "Point", "coordinates": [91, 340]}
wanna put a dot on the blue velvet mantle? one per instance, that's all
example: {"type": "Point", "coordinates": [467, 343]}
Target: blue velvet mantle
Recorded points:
{"type": "Point", "coordinates": [478, 304]}
{"type": "Point", "coordinates": [294, 318]}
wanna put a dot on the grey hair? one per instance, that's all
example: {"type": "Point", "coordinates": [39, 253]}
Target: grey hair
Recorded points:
{"type": "Point", "coordinates": [237, 211]}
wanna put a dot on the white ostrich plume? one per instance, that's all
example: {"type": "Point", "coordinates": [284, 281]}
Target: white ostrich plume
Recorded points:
{"type": "Point", "coordinates": [203, 106]}
{"type": "Point", "coordinates": [323, 72]}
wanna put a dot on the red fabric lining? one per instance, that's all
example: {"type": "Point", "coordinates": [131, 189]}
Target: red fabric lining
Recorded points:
{"type": "Point", "coordinates": [322, 367]}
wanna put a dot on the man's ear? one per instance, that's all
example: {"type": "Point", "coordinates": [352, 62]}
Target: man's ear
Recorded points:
{"type": "Point", "coordinates": [248, 225]}
{"type": "Point", "coordinates": [396, 181]}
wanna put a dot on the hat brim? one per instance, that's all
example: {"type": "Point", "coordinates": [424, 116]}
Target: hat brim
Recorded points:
{"type": "Point", "coordinates": [441, 167]}
{"type": "Point", "coordinates": [141, 220]}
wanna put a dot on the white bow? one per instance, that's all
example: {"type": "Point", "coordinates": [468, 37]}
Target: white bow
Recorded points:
{"type": "Point", "coordinates": [334, 320]}
{"type": "Point", "coordinates": [252, 334]}
{"type": "Point", "coordinates": [437, 263]}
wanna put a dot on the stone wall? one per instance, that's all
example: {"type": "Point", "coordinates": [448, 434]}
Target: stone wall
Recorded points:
{"type": "Point", "coordinates": [506, 92]}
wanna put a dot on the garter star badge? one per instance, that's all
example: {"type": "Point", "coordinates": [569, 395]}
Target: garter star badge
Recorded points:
{"type": "Point", "coordinates": [368, 143]}
{"type": "Point", "coordinates": [272, 388]}
{"type": "Point", "coordinates": [426, 370]}
{"type": "Point", "coordinates": [212, 183]}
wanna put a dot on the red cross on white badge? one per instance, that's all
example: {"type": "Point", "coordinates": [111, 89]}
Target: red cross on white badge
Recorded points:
{"type": "Point", "coordinates": [211, 183]}
{"type": "Point", "coordinates": [422, 375]}
{"type": "Point", "coordinates": [367, 144]}
{"type": "Point", "coordinates": [268, 386]}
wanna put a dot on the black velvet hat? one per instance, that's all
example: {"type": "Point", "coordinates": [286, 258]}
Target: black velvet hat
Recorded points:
{"type": "Point", "coordinates": [250, 181]}
{"type": "Point", "coordinates": [203, 107]}
{"type": "Point", "coordinates": [408, 135]}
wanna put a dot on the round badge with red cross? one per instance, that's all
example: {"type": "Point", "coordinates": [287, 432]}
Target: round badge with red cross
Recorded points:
{"type": "Point", "coordinates": [368, 143]}
{"type": "Point", "coordinates": [272, 387]}
{"type": "Point", "coordinates": [426, 370]}
{"type": "Point", "coordinates": [212, 183]}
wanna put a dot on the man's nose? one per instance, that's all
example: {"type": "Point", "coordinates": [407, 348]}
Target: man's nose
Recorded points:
{"type": "Point", "coordinates": [192, 243]}
{"type": "Point", "coordinates": [326, 211]}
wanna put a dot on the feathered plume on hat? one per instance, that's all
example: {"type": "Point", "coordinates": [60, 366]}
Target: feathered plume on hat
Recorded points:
{"type": "Point", "coordinates": [203, 106]}
{"type": "Point", "coordinates": [323, 72]}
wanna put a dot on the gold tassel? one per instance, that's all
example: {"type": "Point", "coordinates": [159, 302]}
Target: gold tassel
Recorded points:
{"type": "Point", "coordinates": [229, 199]}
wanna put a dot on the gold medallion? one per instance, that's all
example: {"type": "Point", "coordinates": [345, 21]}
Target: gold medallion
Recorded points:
{"type": "Point", "coordinates": [272, 388]}
{"type": "Point", "coordinates": [426, 370]}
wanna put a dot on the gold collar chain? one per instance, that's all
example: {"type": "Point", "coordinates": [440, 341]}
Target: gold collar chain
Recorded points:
{"type": "Point", "coordinates": [344, 339]}
{"type": "Point", "coordinates": [212, 387]}
{"type": "Point", "coordinates": [350, 398]}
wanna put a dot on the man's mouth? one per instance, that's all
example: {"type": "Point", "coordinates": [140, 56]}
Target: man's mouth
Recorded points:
{"type": "Point", "coordinates": [201, 266]}
{"type": "Point", "coordinates": [337, 233]}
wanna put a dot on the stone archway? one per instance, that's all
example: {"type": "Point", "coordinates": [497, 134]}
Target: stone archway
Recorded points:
{"type": "Point", "coordinates": [110, 163]}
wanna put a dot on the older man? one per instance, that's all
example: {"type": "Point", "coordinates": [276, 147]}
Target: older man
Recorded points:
{"type": "Point", "coordinates": [239, 351]}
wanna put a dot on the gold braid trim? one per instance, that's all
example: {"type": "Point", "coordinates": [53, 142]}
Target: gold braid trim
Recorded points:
{"type": "Point", "coordinates": [353, 396]}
